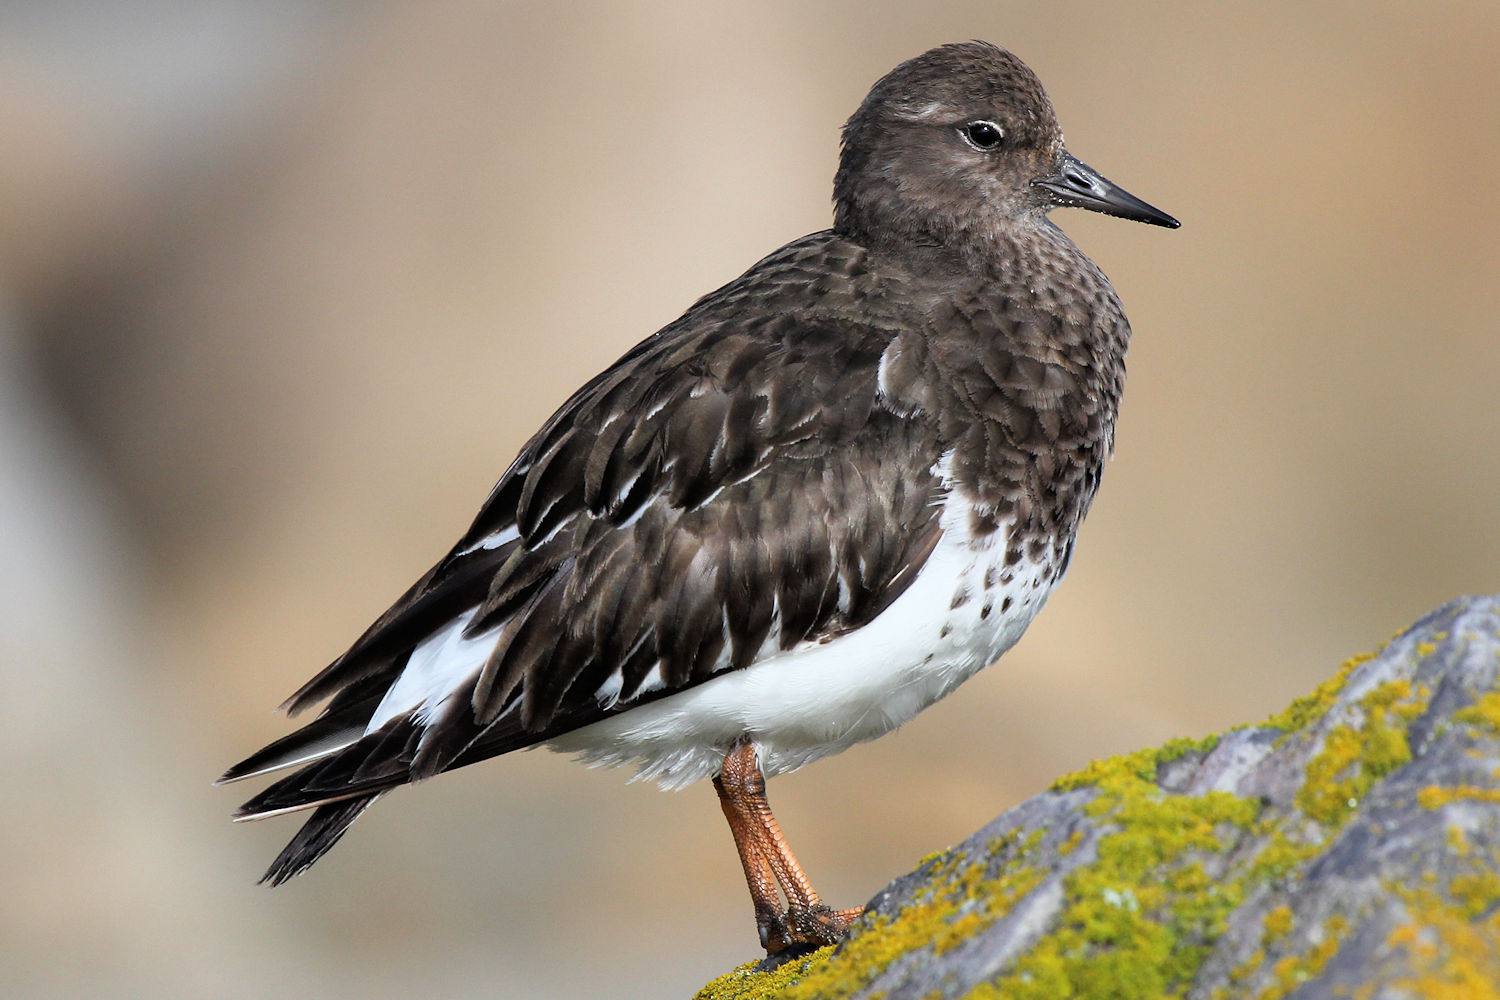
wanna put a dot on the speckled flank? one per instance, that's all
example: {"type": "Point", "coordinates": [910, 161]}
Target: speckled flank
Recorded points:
{"type": "Point", "coordinates": [821, 697]}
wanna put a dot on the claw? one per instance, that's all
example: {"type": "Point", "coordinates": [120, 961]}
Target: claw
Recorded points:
{"type": "Point", "coordinates": [808, 928]}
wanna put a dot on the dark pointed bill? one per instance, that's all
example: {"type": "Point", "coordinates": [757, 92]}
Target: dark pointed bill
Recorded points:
{"type": "Point", "coordinates": [1078, 185]}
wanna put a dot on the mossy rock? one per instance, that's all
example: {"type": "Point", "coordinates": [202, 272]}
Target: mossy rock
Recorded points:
{"type": "Point", "coordinates": [1348, 847]}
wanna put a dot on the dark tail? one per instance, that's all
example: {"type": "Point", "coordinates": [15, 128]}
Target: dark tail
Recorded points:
{"type": "Point", "coordinates": [318, 835]}
{"type": "Point", "coordinates": [337, 788]}
{"type": "Point", "coordinates": [320, 738]}
{"type": "Point", "coordinates": [339, 784]}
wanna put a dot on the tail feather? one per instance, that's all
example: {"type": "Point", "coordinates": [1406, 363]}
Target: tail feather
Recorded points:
{"type": "Point", "coordinates": [322, 830]}
{"type": "Point", "coordinates": [374, 763]}
{"type": "Point", "coordinates": [342, 766]}
{"type": "Point", "coordinates": [340, 726]}
{"type": "Point", "coordinates": [312, 742]}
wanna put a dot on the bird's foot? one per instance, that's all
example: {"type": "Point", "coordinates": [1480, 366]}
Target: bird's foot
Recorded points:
{"type": "Point", "coordinates": [806, 928]}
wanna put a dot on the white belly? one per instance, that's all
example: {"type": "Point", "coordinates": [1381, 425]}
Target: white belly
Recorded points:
{"type": "Point", "coordinates": [963, 610]}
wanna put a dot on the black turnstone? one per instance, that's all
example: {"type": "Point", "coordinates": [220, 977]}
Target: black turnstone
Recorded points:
{"type": "Point", "coordinates": [787, 522]}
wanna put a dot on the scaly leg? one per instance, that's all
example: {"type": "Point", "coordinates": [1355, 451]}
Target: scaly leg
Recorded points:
{"type": "Point", "coordinates": [758, 874]}
{"type": "Point", "coordinates": [766, 855]}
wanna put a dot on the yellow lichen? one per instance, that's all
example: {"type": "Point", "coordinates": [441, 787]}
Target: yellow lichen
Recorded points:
{"type": "Point", "coordinates": [1351, 759]}
{"type": "Point", "coordinates": [1311, 707]}
{"type": "Point", "coordinates": [744, 983]}
{"type": "Point", "coordinates": [959, 902]}
{"type": "Point", "coordinates": [1403, 936]}
{"type": "Point", "coordinates": [1280, 856]}
{"type": "Point", "coordinates": [1294, 970]}
{"type": "Point", "coordinates": [1138, 921]}
{"type": "Point", "coordinates": [1483, 714]}
{"type": "Point", "coordinates": [1276, 925]}
{"type": "Point", "coordinates": [1323, 796]}
{"type": "Point", "coordinates": [1242, 972]}
{"type": "Point", "coordinates": [1141, 765]}
{"type": "Point", "coordinates": [1141, 914]}
{"type": "Point", "coordinates": [1475, 892]}
{"type": "Point", "coordinates": [1437, 796]}
{"type": "Point", "coordinates": [1451, 956]}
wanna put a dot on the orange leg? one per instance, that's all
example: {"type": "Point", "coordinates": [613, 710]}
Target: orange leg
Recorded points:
{"type": "Point", "coordinates": [769, 862]}
{"type": "Point", "coordinates": [759, 875]}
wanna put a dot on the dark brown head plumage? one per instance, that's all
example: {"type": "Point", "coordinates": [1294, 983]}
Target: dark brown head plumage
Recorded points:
{"type": "Point", "coordinates": [909, 170]}
{"type": "Point", "coordinates": [951, 148]}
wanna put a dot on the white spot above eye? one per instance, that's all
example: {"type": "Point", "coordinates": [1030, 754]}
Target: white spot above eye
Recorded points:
{"type": "Point", "coordinates": [922, 112]}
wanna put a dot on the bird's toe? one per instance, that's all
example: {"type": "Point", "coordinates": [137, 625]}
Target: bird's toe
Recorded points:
{"type": "Point", "coordinates": [807, 928]}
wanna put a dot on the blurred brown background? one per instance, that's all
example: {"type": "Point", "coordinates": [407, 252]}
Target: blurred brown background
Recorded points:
{"type": "Point", "coordinates": [284, 286]}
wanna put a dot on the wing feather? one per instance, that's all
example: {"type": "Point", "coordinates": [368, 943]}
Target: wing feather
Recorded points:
{"type": "Point", "coordinates": [728, 488]}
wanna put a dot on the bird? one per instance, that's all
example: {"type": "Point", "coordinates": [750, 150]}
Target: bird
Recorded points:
{"type": "Point", "coordinates": [812, 506]}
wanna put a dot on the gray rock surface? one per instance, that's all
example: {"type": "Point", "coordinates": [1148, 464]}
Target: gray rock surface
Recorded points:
{"type": "Point", "coordinates": [1348, 847]}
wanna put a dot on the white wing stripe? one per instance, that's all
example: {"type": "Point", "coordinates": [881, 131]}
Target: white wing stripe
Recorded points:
{"type": "Point", "coordinates": [437, 667]}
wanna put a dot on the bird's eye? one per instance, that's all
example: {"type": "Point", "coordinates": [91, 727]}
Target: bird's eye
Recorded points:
{"type": "Point", "coordinates": [983, 136]}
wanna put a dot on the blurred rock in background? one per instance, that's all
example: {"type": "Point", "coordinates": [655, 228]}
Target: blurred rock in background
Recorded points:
{"type": "Point", "coordinates": [284, 286]}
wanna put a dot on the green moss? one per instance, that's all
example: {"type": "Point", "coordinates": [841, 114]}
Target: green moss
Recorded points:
{"type": "Point", "coordinates": [1351, 760]}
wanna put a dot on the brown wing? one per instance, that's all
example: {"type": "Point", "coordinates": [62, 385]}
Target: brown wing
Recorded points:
{"type": "Point", "coordinates": [732, 485]}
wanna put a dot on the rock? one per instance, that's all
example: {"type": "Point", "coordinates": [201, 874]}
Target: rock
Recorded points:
{"type": "Point", "coordinates": [1348, 847]}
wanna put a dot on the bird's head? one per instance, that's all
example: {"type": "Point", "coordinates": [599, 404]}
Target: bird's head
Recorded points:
{"type": "Point", "coordinates": [960, 142]}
